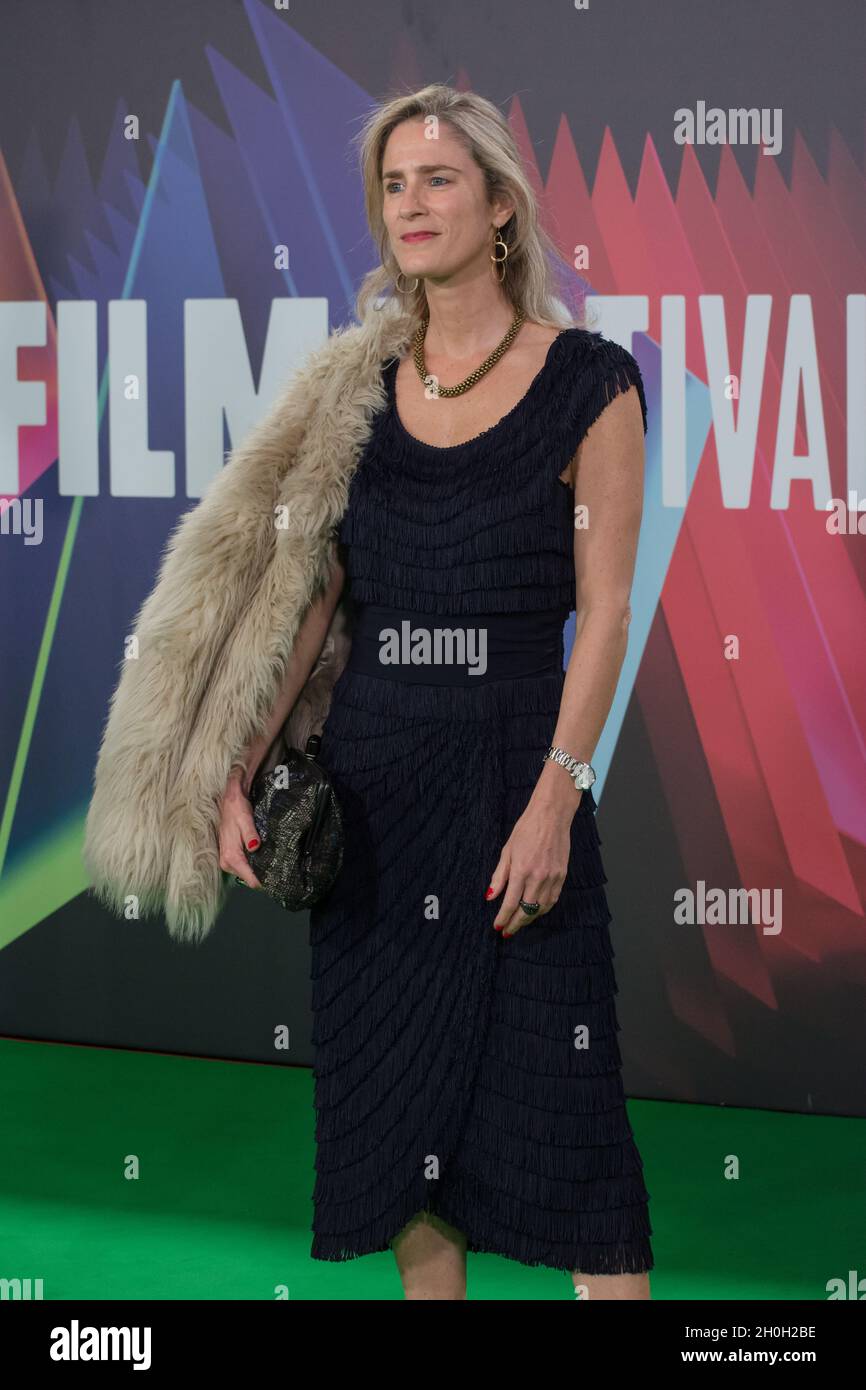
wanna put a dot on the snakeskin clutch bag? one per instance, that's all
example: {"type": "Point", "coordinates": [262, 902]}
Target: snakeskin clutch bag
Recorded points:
{"type": "Point", "coordinates": [299, 824]}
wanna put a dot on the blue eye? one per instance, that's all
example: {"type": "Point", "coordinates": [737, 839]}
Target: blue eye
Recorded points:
{"type": "Point", "coordinates": [396, 183]}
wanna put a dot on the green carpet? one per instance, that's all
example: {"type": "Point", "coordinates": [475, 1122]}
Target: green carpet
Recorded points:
{"type": "Point", "coordinates": [222, 1204]}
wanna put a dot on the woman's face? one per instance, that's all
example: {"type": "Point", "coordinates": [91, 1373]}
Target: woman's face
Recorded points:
{"type": "Point", "coordinates": [435, 204]}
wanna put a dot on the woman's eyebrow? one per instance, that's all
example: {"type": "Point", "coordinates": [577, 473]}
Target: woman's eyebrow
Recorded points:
{"type": "Point", "coordinates": [422, 169]}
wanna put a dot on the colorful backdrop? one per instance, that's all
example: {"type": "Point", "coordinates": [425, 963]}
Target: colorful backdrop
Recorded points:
{"type": "Point", "coordinates": [178, 197]}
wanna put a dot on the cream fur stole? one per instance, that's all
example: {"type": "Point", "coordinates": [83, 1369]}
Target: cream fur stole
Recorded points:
{"type": "Point", "coordinates": [216, 633]}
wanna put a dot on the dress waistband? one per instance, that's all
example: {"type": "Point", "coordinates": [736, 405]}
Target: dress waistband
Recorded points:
{"type": "Point", "coordinates": [455, 649]}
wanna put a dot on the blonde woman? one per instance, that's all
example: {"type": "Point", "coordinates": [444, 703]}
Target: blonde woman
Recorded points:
{"type": "Point", "coordinates": [467, 1075]}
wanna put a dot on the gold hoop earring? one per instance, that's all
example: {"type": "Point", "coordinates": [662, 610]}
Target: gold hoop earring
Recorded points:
{"type": "Point", "coordinates": [499, 260]}
{"type": "Point", "coordinates": [397, 284]}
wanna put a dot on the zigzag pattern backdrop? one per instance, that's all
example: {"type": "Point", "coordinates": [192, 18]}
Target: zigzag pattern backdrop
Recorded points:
{"type": "Point", "coordinates": [761, 759]}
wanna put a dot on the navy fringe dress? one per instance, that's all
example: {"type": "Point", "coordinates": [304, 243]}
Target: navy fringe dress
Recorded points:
{"type": "Point", "coordinates": [452, 1072]}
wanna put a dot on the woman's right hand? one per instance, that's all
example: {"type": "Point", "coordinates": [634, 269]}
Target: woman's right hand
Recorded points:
{"type": "Point", "coordinates": [236, 829]}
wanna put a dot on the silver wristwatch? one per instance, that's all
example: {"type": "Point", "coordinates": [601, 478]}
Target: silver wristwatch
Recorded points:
{"type": "Point", "coordinates": [582, 774]}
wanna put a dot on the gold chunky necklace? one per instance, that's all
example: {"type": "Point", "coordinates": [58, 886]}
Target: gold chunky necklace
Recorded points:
{"type": "Point", "coordinates": [418, 354]}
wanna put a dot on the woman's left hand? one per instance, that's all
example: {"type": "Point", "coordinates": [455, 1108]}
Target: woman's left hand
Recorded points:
{"type": "Point", "coordinates": [532, 865]}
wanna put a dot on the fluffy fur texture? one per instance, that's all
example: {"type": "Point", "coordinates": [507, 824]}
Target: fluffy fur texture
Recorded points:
{"type": "Point", "coordinates": [216, 633]}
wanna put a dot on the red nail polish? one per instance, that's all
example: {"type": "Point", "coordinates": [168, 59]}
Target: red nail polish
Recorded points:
{"type": "Point", "coordinates": [489, 893]}
{"type": "Point", "coordinates": [253, 844]}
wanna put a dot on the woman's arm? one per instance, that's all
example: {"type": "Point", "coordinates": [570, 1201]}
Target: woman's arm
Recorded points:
{"type": "Point", "coordinates": [609, 484]}
{"type": "Point", "coordinates": [305, 652]}
{"type": "Point", "coordinates": [237, 827]}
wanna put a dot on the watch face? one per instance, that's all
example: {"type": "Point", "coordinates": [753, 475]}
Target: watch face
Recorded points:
{"type": "Point", "coordinates": [585, 777]}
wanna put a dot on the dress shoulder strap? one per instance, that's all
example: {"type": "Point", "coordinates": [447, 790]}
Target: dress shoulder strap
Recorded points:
{"type": "Point", "coordinates": [596, 370]}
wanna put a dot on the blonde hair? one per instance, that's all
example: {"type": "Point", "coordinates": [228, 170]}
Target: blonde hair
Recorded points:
{"type": "Point", "coordinates": [487, 137]}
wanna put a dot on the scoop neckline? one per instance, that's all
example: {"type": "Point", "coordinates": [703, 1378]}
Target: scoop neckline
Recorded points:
{"type": "Point", "coordinates": [491, 429]}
